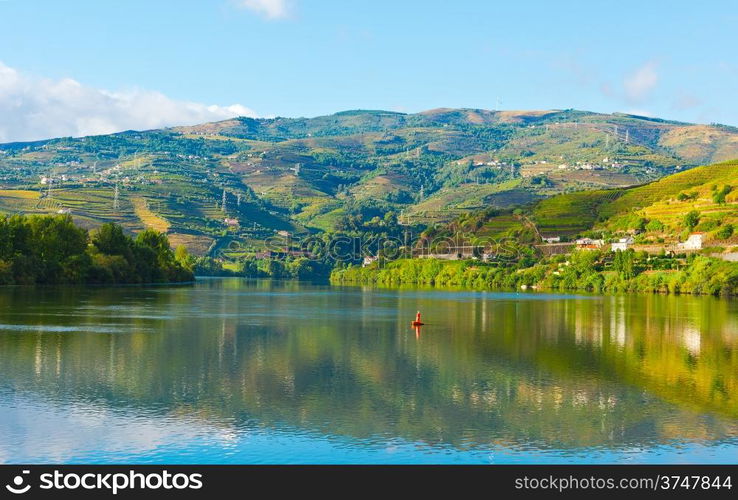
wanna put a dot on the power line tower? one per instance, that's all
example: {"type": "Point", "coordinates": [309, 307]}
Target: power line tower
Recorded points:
{"type": "Point", "coordinates": [48, 188]}
{"type": "Point", "coordinates": [238, 199]}
{"type": "Point", "coordinates": [223, 204]}
{"type": "Point", "coordinates": [627, 136]}
{"type": "Point", "coordinates": [116, 195]}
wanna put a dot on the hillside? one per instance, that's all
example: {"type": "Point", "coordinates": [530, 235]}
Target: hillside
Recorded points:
{"type": "Point", "coordinates": [306, 174]}
{"type": "Point", "coordinates": [656, 211]}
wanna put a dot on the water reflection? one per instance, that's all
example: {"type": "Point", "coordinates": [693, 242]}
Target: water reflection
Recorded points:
{"type": "Point", "coordinates": [269, 371]}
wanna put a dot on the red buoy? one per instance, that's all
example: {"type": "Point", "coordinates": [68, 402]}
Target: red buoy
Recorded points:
{"type": "Point", "coordinates": [417, 321]}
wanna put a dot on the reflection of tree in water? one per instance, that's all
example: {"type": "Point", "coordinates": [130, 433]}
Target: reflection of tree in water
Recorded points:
{"type": "Point", "coordinates": [598, 371]}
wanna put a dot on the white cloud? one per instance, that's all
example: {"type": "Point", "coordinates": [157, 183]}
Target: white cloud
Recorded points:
{"type": "Point", "coordinates": [33, 108]}
{"type": "Point", "coordinates": [271, 9]}
{"type": "Point", "coordinates": [641, 82]}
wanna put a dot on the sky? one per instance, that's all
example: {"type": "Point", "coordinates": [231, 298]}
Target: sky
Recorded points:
{"type": "Point", "coordinates": [83, 67]}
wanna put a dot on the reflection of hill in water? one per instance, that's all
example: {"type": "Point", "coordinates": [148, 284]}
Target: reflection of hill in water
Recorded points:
{"type": "Point", "coordinates": [564, 373]}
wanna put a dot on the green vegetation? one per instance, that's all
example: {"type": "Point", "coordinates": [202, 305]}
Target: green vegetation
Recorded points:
{"type": "Point", "coordinates": [581, 271]}
{"type": "Point", "coordinates": [572, 213]}
{"type": "Point", "coordinates": [719, 194]}
{"type": "Point", "coordinates": [53, 250]}
{"type": "Point", "coordinates": [300, 268]}
{"type": "Point", "coordinates": [305, 175]}
{"type": "Point", "coordinates": [657, 217]}
{"type": "Point", "coordinates": [662, 210]}
{"type": "Point", "coordinates": [725, 232]}
{"type": "Point", "coordinates": [691, 219]}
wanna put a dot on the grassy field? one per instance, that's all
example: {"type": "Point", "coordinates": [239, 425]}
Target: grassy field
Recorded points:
{"type": "Point", "coordinates": [149, 218]}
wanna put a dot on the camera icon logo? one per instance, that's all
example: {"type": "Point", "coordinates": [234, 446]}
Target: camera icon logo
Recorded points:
{"type": "Point", "coordinates": [17, 486]}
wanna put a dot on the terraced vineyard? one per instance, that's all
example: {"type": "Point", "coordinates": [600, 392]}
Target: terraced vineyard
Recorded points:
{"type": "Point", "coordinates": [667, 202]}
{"type": "Point", "coordinates": [656, 210]}
{"type": "Point", "coordinates": [147, 217]}
{"type": "Point", "coordinates": [570, 214]}
{"type": "Point", "coordinates": [12, 201]}
{"type": "Point", "coordinates": [699, 179]}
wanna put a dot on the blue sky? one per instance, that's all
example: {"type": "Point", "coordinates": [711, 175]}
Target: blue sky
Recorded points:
{"type": "Point", "coordinates": [192, 60]}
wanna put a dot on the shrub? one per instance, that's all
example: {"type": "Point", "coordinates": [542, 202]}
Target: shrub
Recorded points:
{"type": "Point", "coordinates": [655, 225]}
{"type": "Point", "coordinates": [725, 232]}
{"type": "Point", "coordinates": [692, 219]}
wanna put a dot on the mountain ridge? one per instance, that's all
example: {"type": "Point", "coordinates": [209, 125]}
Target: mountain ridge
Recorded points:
{"type": "Point", "coordinates": [304, 175]}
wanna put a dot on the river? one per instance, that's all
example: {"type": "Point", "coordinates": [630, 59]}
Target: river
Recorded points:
{"type": "Point", "coordinates": [239, 371]}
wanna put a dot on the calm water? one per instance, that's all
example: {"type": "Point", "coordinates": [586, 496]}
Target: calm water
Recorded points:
{"type": "Point", "coordinates": [232, 371]}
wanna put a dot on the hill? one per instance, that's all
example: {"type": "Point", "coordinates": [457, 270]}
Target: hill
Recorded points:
{"type": "Point", "coordinates": [656, 212]}
{"type": "Point", "coordinates": [303, 175]}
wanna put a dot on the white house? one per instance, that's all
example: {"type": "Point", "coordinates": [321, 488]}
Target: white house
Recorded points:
{"type": "Point", "coordinates": [230, 222]}
{"type": "Point", "coordinates": [369, 260]}
{"type": "Point", "coordinates": [622, 244]}
{"type": "Point", "coordinates": [589, 244]}
{"type": "Point", "coordinates": [552, 239]}
{"type": "Point", "coordinates": [694, 242]}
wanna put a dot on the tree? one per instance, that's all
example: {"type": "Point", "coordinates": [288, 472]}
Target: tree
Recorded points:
{"type": "Point", "coordinates": [111, 240]}
{"type": "Point", "coordinates": [624, 264]}
{"type": "Point", "coordinates": [250, 268]}
{"type": "Point", "coordinates": [52, 249]}
{"type": "Point", "coordinates": [719, 195]}
{"type": "Point", "coordinates": [275, 268]}
{"type": "Point", "coordinates": [639, 224]}
{"type": "Point", "coordinates": [725, 232]}
{"type": "Point", "coordinates": [56, 240]}
{"type": "Point", "coordinates": [183, 258]}
{"type": "Point", "coordinates": [655, 225]}
{"type": "Point", "coordinates": [692, 219]}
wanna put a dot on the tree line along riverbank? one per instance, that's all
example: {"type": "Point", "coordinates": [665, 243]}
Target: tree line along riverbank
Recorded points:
{"type": "Point", "coordinates": [53, 250]}
{"type": "Point", "coordinates": [590, 271]}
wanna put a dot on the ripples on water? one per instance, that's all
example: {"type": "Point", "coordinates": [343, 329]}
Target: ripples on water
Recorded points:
{"type": "Point", "coordinates": [231, 371]}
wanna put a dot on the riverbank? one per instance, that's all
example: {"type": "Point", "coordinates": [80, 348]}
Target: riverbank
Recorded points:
{"type": "Point", "coordinates": [588, 271]}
